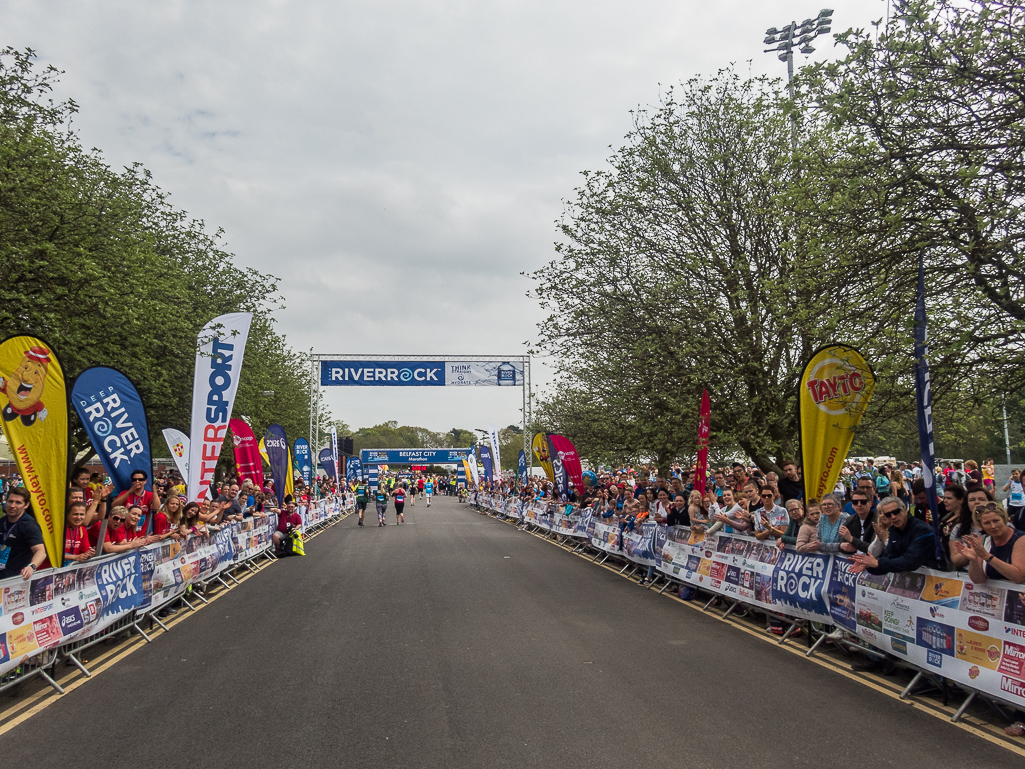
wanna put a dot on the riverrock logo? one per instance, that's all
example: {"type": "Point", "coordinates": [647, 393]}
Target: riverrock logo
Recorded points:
{"type": "Point", "coordinates": [835, 386]}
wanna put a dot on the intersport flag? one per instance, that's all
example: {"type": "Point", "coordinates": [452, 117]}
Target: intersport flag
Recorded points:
{"type": "Point", "coordinates": [35, 420]}
{"type": "Point", "coordinates": [493, 437]}
{"type": "Point", "coordinates": [178, 443]}
{"type": "Point", "coordinates": [247, 452]}
{"type": "Point", "coordinates": [220, 348]}
{"type": "Point", "coordinates": [114, 417]}
{"type": "Point", "coordinates": [276, 443]}
{"type": "Point", "coordinates": [704, 429]}
{"type": "Point", "coordinates": [836, 387]}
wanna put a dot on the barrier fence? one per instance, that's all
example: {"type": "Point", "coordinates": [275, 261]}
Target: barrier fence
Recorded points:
{"type": "Point", "coordinates": [59, 612]}
{"type": "Point", "coordinates": [940, 624]}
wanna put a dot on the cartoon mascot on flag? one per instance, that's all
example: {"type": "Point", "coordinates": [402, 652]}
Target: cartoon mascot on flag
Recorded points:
{"type": "Point", "coordinates": [24, 387]}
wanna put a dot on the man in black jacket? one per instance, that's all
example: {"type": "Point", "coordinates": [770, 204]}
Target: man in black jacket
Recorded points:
{"type": "Point", "coordinates": [911, 543]}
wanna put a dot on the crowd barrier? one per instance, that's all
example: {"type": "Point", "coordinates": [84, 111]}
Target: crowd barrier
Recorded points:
{"type": "Point", "coordinates": [59, 612]}
{"type": "Point", "coordinates": [941, 624]}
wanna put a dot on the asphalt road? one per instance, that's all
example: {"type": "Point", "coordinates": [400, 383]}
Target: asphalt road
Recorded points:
{"type": "Point", "coordinates": [457, 641]}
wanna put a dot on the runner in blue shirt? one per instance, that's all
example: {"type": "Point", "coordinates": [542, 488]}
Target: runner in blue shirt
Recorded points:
{"type": "Point", "coordinates": [428, 491]}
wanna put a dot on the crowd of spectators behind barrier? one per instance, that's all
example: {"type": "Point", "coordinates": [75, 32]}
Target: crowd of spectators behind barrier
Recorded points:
{"type": "Point", "coordinates": [137, 516]}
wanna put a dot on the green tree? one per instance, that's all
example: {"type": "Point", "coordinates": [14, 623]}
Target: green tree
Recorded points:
{"type": "Point", "coordinates": [693, 263]}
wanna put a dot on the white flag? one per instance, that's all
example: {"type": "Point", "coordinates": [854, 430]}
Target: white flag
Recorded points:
{"type": "Point", "coordinates": [471, 460]}
{"type": "Point", "coordinates": [493, 435]}
{"type": "Point", "coordinates": [222, 343]}
{"type": "Point", "coordinates": [178, 442]}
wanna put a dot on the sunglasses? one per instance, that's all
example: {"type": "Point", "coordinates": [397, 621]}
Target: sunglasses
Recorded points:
{"type": "Point", "coordinates": [989, 507]}
{"type": "Point", "coordinates": [117, 520]}
{"type": "Point", "coordinates": [894, 514]}
{"type": "Point", "coordinates": [859, 501]}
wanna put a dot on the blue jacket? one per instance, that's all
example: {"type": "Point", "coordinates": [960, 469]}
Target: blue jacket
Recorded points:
{"type": "Point", "coordinates": [908, 549]}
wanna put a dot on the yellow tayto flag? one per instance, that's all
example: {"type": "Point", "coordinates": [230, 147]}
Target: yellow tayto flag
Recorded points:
{"type": "Point", "coordinates": [34, 414]}
{"type": "Point", "coordinates": [469, 473]}
{"type": "Point", "coordinates": [263, 452]}
{"type": "Point", "coordinates": [836, 387]}
{"type": "Point", "coordinates": [540, 448]}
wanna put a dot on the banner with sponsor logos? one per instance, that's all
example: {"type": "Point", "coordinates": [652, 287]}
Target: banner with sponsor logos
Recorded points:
{"type": "Point", "coordinates": [413, 456]}
{"type": "Point", "coordinates": [485, 459]}
{"type": "Point", "coordinates": [941, 622]}
{"type": "Point", "coordinates": [276, 443]}
{"type": "Point", "coordinates": [354, 470]}
{"type": "Point", "coordinates": [247, 452]}
{"type": "Point", "coordinates": [836, 387]}
{"type": "Point", "coordinates": [327, 461]}
{"type": "Point", "coordinates": [566, 461]}
{"type": "Point", "coordinates": [362, 373]}
{"type": "Point", "coordinates": [59, 606]}
{"type": "Point", "coordinates": [114, 417]}
{"type": "Point", "coordinates": [704, 430]}
{"type": "Point", "coordinates": [35, 420]}
{"type": "Point", "coordinates": [178, 443]}
{"type": "Point", "coordinates": [220, 348]}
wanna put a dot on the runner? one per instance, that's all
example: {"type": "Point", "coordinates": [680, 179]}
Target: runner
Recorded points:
{"type": "Point", "coordinates": [382, 505]}
{"type": "Point", "coordinates": [412, 492]}
{"type": "Point", "coordinates": [428, 490]}
{"type": "Point", "coordinates": [361, 500]}
{"type": "Point", "coordinates": [420, 485]}
{"type": "Point", "coordinates": [400, 503]}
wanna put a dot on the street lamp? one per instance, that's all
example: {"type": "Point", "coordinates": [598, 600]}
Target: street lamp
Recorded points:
{"type": "Point", "coordinates": [800, 35]}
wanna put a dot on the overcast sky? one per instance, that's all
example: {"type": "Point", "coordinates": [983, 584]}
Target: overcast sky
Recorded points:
{"type": "Point", "coordinates": [397, 163]}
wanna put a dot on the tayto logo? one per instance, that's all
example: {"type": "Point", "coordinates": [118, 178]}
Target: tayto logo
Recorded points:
{"type": "Point", "coordinates": [1013, 686]}
{"type": "Point", "coordinates": [834, 385]}
{"type": "Point", "coordinates": [978, 623]}
{"type": "Point", "coordinates": [973, 672]}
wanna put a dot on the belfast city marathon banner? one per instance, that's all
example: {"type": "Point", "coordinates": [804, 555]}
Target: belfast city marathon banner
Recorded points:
{"type": "Point", "coordinates": [405, 373]}
{"type": "Point", "coordinates": [59, 606]}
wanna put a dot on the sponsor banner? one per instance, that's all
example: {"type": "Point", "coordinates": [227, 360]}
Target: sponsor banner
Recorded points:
{"type": "Point", "coordinates": [178, 443]}
{"type": "Point", "coordinates": [470, 461]}
{"type": "Point", "coordinates": [745, 569]}
{"type": "Point", "coordinates": [276, 443]}
{"type": "Point", "coordinates": [485, 459]}
{"type": "Point", "coordinates": [413, 456]}
{"type": "Point", "coordinates": [704, 429]}
{"type": "Point", "coordinates": [559, 473]}
{"type": "Point", "coordinates": [539, 445]}
{"type": "Point", "coordinates": [566, 462]}
{"type": "Point", "coordinates": [836, 386]}
{"type": "Point", "coordinates": [221, 346]}
{"type": "Point", "coordinates": [34, 417]}
{"type": "Point", "coordinates": [114, 418]}
{"type": "Point", "coordinates": [327, 461]}
{"type": "Point", "coordinates": [334, 453]}
{"type": "Point", "coordinates": [247, 452]}
{"type": "Point", "coordinates": [342, 373]}
{"type": "Point", "coordinates": [923, 399]}
{"type": "Point", "coordinates": [493, 438]}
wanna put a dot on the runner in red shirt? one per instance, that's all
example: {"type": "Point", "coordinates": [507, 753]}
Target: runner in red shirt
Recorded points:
{"type": "Point", "coordinates": [76, 538]}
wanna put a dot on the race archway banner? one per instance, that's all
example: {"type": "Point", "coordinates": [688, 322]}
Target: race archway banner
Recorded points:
{"type": "Point", "coordinates": [405, 373]}
{"type": "Point", "coordinates": [836, 387]}
{"type": "Point", "coordinates": [35, 421]}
